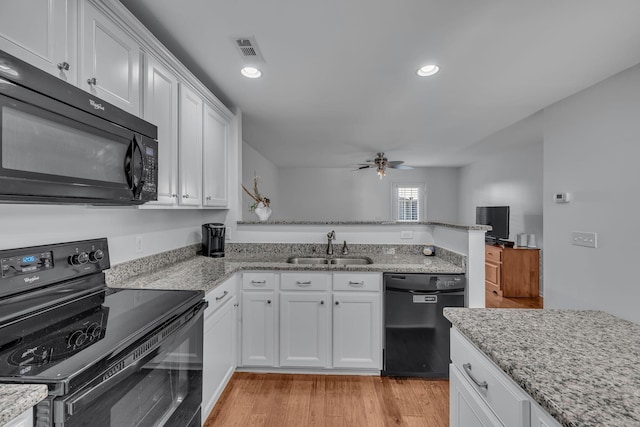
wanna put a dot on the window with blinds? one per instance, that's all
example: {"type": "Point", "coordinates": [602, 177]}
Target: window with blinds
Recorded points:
{"type": "Point", "coordinates": [408, 203]}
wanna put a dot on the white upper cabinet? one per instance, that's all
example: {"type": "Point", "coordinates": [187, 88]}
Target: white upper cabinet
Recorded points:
{"type": "Point", "coordinates": [190, 147]}
{"type": "Point", "coordinates": [215, 141]}
{"type": "Point", "coordinates": [161, 109]}
{"type": "Point", "coordinates": [42, 33]}
{"type": "Point", "coordinates": [110, 60]}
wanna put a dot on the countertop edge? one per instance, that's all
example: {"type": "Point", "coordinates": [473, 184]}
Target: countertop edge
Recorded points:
{"type": "Point", "coordinates": [476, 227]}
{"type": "Point", "coordinates": [17, 398]}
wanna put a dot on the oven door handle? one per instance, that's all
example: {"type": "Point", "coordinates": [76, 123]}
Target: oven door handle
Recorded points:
{"type": "Point", "coordinates": [76, 402]}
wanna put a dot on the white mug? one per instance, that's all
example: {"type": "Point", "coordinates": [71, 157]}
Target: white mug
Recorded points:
{"type": "Point", "coordinates": [532, 241]}
{"type": "Point", "coordinates": [521, 240]}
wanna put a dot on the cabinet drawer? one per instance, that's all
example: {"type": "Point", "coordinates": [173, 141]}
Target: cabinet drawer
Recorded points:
{"type": "Point", "coordinates": [218, 296]}
{"type": "Point", "coordinates": [258, 281]}
{"type": "Point", "coordinates": [492, 273]}
{"type": "Point", "coordinates": [493, 253]}
{"type": "Point", "coordinates": [357, 282]}
{"type": "Point", "coordinates": [305, 281]}
{"type": "Point", "coordinates": [508, 401]}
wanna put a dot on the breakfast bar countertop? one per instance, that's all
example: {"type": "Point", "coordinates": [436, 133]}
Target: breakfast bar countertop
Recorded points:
{"type": "Point", "coordinates": [581, 366]}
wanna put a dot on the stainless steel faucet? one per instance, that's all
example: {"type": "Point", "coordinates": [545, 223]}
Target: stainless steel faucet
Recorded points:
{"type": "Point", "coordinates": [345, 250]}
{"type": "Point", "coordinates": [331, 236]}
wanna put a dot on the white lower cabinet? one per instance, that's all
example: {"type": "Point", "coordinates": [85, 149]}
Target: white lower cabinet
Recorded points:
{"type": "Point", "coordinates": [320, 321]}
{"type": "Point", "coordinates": [304, 325]}
{"type": "Point", "coordinates": [258, 328]}
{"type": "Point", "coordinates": [357, 341]}
{"type": "Point", "coordinates": [23, 420]}
{"type": "Point", "coordinates": [220, 343]}
{"type": "Point", "coordinates": [481, 394]}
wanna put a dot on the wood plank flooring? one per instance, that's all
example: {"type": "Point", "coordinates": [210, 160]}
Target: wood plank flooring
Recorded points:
{"type": "Point", "coordinates": [279, 400]}
{"type": "Point", "coordinates": [493, 300]}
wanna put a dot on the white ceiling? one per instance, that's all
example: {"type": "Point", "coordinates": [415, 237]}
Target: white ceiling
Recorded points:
{"type": "Point", "coordinates": [339, 80]}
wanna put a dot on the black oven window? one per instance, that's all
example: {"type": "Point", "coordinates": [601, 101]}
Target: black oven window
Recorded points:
{"type": "Point", "coordinates": [31, 143]}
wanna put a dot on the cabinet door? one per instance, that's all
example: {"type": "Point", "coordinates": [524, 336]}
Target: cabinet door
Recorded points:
{"type": "Point", "coordinates": [219, 353]}
{"type": "Point", "coordinates": [161, 109]}
{"type": "Point", "coordinates": [258, 328]}
{"type": "Point", "coordinates": [466, 409]}
{"type": "Point", "coordinates": [214, 167]}
{"type": "Point", "coordinates": [541, 418]}
{"type": "Point", "coordinates": [303, 329]}
{"type": "Point", "coordinates": [41, 33]}
{"type": "Point", "coordinates": [190, 147]}
{"type": "Point", "coordinates": [23, 420]}
{"type": "Point", "coordinates": [110, 60]}
{"type": "Point", "coordinates": [357, 326]}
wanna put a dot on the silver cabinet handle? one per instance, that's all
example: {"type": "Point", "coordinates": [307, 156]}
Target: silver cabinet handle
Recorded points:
{"type": "Point", "coordinates": [321, 302]}
{"type": "Point", "coordinates": [307, 283]}
{"type": "Point", "coordinates": [236, 304]}
{"type": "Point", "coordinates": [258, 282]}
{"type": "Point", "coordinates": [208, 198]}
{"type": "Point", "coordinates": [185, 196]}
{"type": "Point", "coordinates": [481, 384]}
{"type": "Point", "coordinates": [356, 283]}
{"type": "Point", "coordinates": [174, 195]}
{"type": "Point", "coordinates": [63, 66]}
{"type": "Point", "coordinates": [268, 301]}
{"type": "Point", "coordinates": [224, 294]}
{"type": "Point", "coordinates": [92, 81]}
{"type": "Point", "coordinates": [337, 302]}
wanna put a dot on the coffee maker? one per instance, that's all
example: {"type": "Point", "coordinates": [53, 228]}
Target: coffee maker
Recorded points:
{"type": "Point", "coordinates": [213, 239]}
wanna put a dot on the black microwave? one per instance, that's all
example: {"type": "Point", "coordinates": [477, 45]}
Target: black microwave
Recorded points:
{"type": "Point", "coordinates": [60, 144]}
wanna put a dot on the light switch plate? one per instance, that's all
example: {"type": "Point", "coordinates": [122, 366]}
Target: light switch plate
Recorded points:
{"type": "Point", "coordinates": [581, 238]}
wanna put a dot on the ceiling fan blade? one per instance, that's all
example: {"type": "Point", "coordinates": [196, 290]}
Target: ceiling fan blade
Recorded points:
{"type": "Point", "coordinates": [401, 167]}
{"type": "Point", "coordinates": [394, 163]}
{"type": "Point", "coordinates": [362, 167]}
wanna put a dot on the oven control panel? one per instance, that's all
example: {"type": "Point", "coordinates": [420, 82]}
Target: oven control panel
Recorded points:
{"type": "Point", "coordinates": [25, 264]}
{"type": "Point", "coordinates": [36, 266]}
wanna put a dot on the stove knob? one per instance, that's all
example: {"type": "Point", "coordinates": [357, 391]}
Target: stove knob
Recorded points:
{"type": "Point", "coordinates": [79, 259]}
{"type": "Point", "coordinates": [76, 339]}
{"type": "Point", "coordinates": [96, 255]}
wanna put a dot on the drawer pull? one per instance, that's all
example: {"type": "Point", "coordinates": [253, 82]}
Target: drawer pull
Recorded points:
{"type": "Point", "coordinates": [356, 283]}
{"type": "Point", "coordinates": [481, 384]}
{"type": "Point", "coordinates": [258, 282]}
{"type": "Point", "coordinates": [307, 283]}
{"type": "Point", "coordinates": [224, 294]}
{"type": "Point", "coordinates": [269, 301]}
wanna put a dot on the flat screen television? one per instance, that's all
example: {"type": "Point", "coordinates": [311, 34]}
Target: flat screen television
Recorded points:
{"type": "Point", "coordinates": [497, 217]}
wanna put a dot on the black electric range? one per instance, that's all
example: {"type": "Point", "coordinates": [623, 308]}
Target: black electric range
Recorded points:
{"type": "Point", "coordinates": [111, 357]}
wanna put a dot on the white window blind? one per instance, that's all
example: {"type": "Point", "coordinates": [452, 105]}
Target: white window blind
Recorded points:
{"type": "Point", "coordinates": [408, 203]}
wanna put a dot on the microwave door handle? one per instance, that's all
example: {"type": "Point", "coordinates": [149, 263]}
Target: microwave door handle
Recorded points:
{"type": "Point", "coordinates": [130, 167]}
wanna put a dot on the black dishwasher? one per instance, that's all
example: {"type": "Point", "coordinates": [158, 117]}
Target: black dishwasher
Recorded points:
{"type": "Point", "coordinates": [416, 342]}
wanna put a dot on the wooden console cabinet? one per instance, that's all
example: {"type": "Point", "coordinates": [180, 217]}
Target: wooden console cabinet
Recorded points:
{"type": "Point", "coordinates": [512, 272]}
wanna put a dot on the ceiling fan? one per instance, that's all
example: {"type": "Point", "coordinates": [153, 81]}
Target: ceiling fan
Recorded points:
{"type": "Point", "coordinates": [381, 164]}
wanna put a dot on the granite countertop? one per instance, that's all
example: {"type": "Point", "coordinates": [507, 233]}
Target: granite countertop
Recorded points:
{"type": "Point", "coordinates": [581, 366]}
{"type": "Point", "coordinates": [202, 273]}
{"type": "Point", "coordinates": [17, 398]}
{"type": "Point", "coordinates": [478, 227]}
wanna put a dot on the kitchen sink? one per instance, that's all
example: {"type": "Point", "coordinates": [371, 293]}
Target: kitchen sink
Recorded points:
{"type": "Point", "coordinates": [307, 260]}
{"type": "Point", "coordinates": [333, 261]}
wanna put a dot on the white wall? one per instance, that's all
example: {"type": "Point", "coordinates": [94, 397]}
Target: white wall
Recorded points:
{"type": "Point", "coordinates": [591, 150]}
{"type": "Point", "coordinates": [317, 194]}
{"type": "Point", "coordinates": [161, 230]}
{"type": "Point", "coordinates": [508, 175]}
{"type": "Point", "coordinates": [254, 162]}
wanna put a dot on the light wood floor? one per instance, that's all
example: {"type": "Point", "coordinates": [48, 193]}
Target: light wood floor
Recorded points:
{"type": "Point", "coordinates": [277, 400]}
{"type": "Point", "coordinates": [493, 300]}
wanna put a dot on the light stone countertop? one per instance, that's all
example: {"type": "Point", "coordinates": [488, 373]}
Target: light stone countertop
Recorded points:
{"type": "Point", "coordinates": [581, 366]}
{"type": "Point", "coordinates": [477, 227]}
{"type": "Point", "coordinates": [17, 398]}
{"type": "Point", "coordinates": [202, 273]}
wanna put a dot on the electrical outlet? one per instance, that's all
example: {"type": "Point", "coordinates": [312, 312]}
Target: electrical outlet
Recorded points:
{"type": "Point", "coordinates": [580, 238]}
{"type": "Point", "coordinates": [406, 234]}
{"type": "Point", "coordinates": [139, 245]}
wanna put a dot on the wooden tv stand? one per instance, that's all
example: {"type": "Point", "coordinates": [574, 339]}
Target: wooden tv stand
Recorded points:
{"type": "Point", "coordinates": [512, 272]}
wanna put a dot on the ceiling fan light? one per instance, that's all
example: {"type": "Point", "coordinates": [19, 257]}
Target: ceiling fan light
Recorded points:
{"type": "Point", "coordinates": [428, 70]}
{"type": "Point", "coordinates": [251, 72]}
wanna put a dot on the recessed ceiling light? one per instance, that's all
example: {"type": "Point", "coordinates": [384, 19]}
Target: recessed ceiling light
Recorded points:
{"type": "Point", "coordinates": [251, 72]}
{"type": "Point", "coordinates": [428, 70]}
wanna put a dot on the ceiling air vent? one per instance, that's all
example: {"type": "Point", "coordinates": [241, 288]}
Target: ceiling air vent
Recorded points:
{"type": "Point", "coordinates": [248, 49]}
